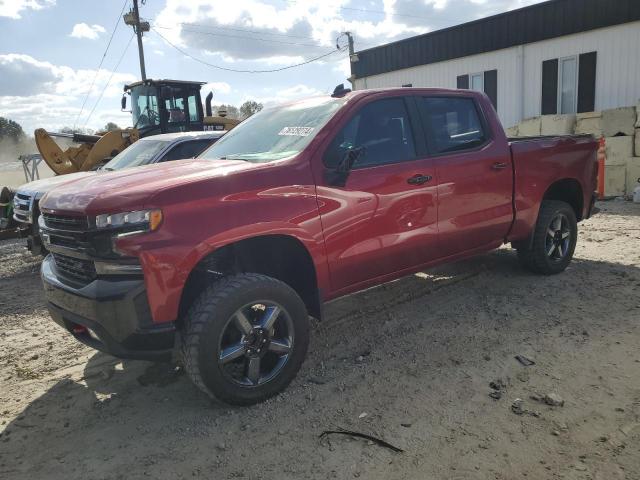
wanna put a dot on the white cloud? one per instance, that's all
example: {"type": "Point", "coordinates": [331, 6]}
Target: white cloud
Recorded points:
{"type": "Point", "coordinates": [159, 52]}
{"type": "Point", "coordinates": [274, 96]}
{"type": "Point", "coordinates": [275, 34]}
{"type": "Point", "coordinates": [217, 88]}
{"type": "Point", "coordinates": [82, 30]}
{"type": "Point", "coordinates": [40, 94]}
{"type": "Point", "coordinates": [12, 8]}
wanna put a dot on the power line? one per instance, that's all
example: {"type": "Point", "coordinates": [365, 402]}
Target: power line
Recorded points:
{"type": "Point", "coordinates": [109, 81]}
{"type": "Point", "coordinates": [113, 32]}
{"type": "Point", "coordinates": [244, 37]}
{"type": "Point", "coordinates": [246, 71]}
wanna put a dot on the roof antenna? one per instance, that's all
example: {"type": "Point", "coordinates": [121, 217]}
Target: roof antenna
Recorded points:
{"type": "Point", "coordinates": [340, 91]}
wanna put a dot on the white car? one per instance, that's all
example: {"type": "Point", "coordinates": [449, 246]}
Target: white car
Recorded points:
{"type": "Point", "coordinates": [157, 148]}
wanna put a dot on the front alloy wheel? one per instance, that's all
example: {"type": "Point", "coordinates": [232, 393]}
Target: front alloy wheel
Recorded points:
{"type": "Point", "coordinates": [245, 338]}
{"type": "Point", "coordinates": [256, 343]}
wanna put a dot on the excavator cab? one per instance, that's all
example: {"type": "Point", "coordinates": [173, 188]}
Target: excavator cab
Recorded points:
{"type": "Point", "coordinates": [157, 106]}
{"type": "Point", "coordinates": [165, 106]}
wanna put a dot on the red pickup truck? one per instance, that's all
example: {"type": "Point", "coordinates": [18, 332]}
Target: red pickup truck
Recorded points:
{"type": "Point", "coordinates": [222, 259]}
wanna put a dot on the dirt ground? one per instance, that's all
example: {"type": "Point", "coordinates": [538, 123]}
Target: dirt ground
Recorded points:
{"type": "Point", "coordinates": [409, 362]}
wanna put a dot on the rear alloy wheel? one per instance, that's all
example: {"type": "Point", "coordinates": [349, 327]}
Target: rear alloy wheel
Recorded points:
{"type": "Point", "coordinates": [558, 240]}
{"type": "Point", "coordinates": [554, 239]}
{"type": "Point", "coordinates": [245, 338]}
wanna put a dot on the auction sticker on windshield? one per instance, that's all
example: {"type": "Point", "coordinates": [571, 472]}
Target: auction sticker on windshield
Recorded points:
{"type": "Point", "coordinates": [296, 131]}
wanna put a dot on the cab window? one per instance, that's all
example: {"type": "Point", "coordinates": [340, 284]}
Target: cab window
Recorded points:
{"type": "Point", "coordinates": [188, 149]}
{"type": "Point", "coordinates": [176, 110]}
{"type": "Point", "coordinates": [381, 129]}
{"type": "Point", "coordinates": [193, 109]}
{"type": "Point", "coordinates": [452, 124]}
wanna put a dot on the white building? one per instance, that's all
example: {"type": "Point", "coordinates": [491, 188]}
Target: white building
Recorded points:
{"type": "Point", "coordinates": [560, 56]}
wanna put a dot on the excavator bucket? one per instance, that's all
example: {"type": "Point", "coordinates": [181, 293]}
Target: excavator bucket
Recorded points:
{"type": "Point", "coordinates": [60, 161]}
{"type": "Point", "coordinates": [91, 152]}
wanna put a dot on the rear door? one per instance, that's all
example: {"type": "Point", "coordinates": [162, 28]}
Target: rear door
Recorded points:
{"type": "Point", "coordinates": [474, 170]}
{"type": "Point", "coordinates": [383, 219]}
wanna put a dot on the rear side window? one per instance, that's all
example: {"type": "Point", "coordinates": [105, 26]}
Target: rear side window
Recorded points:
{"type": "Point", "coordinates": [187, 149]}
{"type": "Point", "coordinates": [452, 124]}
{"type": "Point", "coordinates": [382, 129]}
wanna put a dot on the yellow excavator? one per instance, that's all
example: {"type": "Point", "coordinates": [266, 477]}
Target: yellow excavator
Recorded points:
{"type": "Point", "coordinates": [157, 106]}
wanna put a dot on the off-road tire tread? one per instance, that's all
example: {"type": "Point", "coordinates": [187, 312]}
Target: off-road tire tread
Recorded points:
{"type": "Point", "coordinates": [534, 258]}
{"type": "Point", "coordinates": [200, 314]}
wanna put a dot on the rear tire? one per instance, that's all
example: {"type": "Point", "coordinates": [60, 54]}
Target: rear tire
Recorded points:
{"type": "Point", "coordinates": [554, 239]}
{"type": "Point", "coordinates": [245, 338]}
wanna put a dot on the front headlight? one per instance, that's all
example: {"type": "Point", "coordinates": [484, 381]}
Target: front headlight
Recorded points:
{"type": "Point", "coordinates": [143, 220]}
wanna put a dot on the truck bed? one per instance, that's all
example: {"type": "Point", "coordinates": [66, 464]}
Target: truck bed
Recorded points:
{"type": "Point", "coordinates": [541, 161]}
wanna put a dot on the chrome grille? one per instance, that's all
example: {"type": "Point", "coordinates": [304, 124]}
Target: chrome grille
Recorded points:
{"type": "Point", "coordinates": [65, 222]}
{"type": "Point", "coordinates": [82, 271]}
{"type": "Point", "coordinates": [22, 207]}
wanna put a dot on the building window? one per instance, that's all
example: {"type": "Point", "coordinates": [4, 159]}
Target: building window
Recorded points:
{"type": "Point", "coordinates": [567, 85]}
{"type": "Point", "coordinates": [486, 82]}
{"type": "Point", "coordinates": [477, 82]}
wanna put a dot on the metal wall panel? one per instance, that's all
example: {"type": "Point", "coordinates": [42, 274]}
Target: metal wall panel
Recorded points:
{"type": "Point", "coordinates": [535, 23]}
{"type": "Point", "coordinates": [617, 67]}
{"type": "Point", "coordinates": [445, 75]}
{"type": "Point", "coordinates": [519, 95]}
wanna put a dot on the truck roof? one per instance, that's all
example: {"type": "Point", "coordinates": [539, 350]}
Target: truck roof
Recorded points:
{"type": "Point", "coordinates": [427, 90]}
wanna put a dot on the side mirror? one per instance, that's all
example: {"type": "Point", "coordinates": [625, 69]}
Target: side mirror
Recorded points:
{"type": "Point", "coordinates": [338, 177]}
{"type": "Point", "coordinates": [123, 103]}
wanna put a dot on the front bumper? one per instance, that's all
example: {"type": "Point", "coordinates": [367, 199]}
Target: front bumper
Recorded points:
{"type": "Point", "coordinates": [110, 315]}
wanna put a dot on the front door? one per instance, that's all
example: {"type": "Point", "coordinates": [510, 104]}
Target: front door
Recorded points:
{"type": "Point", "coordinates": [475, 174]}
{"type": "Point", "coordinates": [383, 219]}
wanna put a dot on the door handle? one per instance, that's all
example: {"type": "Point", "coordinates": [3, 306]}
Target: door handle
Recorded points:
{"type": "Point", "coordinates": [499, 166]}
{"type": "Point", "coordinates": [419, 179]}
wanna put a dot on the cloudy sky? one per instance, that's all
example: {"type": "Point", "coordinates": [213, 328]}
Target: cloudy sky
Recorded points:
{"type": "Point", "coordinates": [51, 49]}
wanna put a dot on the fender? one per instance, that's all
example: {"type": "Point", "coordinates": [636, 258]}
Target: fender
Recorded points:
{"type": "Point", "coordinates": [167, 267]}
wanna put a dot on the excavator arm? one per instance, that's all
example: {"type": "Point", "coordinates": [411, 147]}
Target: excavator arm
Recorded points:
{"type": "Point", "coordinates": [91, 152]}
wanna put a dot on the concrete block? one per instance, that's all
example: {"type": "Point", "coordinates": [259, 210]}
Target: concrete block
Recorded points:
{"type": "Point", "coordinates": [615, 177]}
{"type": "Point", "coordinates": [557, 124]}
{"type": "Point", "coordinates": [529, 127]}
{"type": "Point", "coordinates": [589, 122]}
{"type": "Point", "coordinates": [511, 132]}
{"type": "Point", "coordinates": [633, 174]}
{"type": "Point", "coordinates": [637, 142]}
{"type": "Point", "coordinates": [616, 121]}
{"type": "Point", "coordinates": [638, 115]}
{"type": "Point", "coordinates": [618, 150]}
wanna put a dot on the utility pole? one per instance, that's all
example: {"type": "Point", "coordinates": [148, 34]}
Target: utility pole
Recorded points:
{"type": "Point", "coordinates": [353, 56]}
{"type": "Point", "coordinates": [350, 39]}
{"type": "Point", "coordinates": [132, 18]}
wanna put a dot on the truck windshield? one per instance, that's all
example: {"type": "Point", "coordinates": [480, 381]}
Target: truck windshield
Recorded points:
{"type": "Point", "coordinates": [275, 133]}
{"type": "Point", "coordinates": [144, 106]}
{"type": "Point", "coordinates": [140, 153]}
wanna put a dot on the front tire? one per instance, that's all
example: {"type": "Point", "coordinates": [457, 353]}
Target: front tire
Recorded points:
{"type": "Point", "coordinates": [554, 239]}
{"type": "Point", "coordinates": [245, 338]}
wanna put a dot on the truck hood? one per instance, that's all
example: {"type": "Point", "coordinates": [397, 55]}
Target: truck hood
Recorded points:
{"type": "Point", "coordinates": [42, 186]}
{"type": "Point", "coordinates": [130, 188]}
